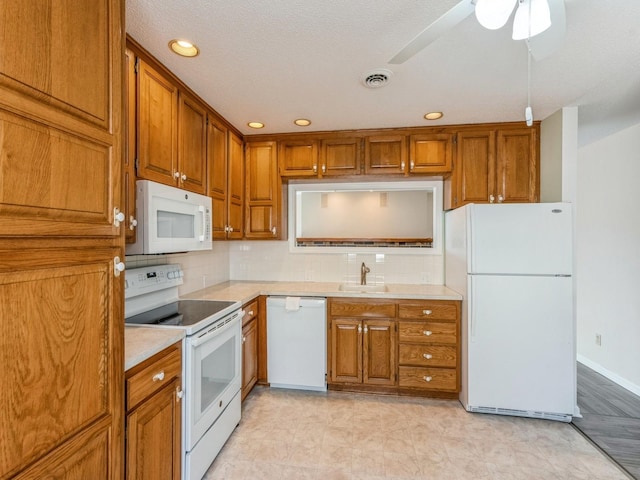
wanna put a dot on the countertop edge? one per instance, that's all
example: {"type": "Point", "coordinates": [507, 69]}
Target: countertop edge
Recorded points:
{"type": "Point", "coordinates": [142, 343]}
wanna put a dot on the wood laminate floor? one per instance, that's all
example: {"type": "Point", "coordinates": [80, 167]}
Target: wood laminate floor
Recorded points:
{"type": "Point", "coordinates": [611, 418]}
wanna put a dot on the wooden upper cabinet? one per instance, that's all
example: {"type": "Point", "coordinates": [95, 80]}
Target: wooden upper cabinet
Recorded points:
{"type": "Point", "coordinates": [474, 167]}
{"type": "Point", "coordinates": [235, 210]}
{"type": "Point", "coordinates": [68, 65]}
{"type": "Point", "coordinates": [385, 154]}
{"type": "Point", "coordinates": [298, 158]}
{"type": "Point", "coordinates": [262, 199]}
{"type": "Point", "coordinates": [157, 126]}
{"type": "Point", "coordinates": [129, 178]}
{"type": "Point", "coordinates": [192, 145]}
{"type": "Point", "coordinates": [340, 156]}
{"type": "Point", "coordinates": [516, 166]}
{"type": "Point", "coordinates": [430, 153]}
{"type": "Point", "coordinates": [217, 162]}
{"type": "Point", "coordinates": [61, 126]}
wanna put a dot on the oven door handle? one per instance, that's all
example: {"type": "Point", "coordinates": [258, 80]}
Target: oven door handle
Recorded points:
{"type": "Point", "coordinates": [216, 330]}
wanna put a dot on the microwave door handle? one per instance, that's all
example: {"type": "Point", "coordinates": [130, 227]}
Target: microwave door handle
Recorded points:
{"type": "Point", "coordinates": [201, 209]}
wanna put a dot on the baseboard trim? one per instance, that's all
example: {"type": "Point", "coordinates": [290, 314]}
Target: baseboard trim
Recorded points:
{"type": "Point", "coordinates": [623, 382]}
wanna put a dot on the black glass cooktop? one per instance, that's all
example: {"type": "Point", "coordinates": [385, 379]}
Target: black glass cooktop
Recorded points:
{"type": "Point", "coordinates": [180, 313]}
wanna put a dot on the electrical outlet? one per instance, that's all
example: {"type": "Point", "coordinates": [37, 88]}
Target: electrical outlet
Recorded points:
{"type": "Point", "coordinates": [598, 339]}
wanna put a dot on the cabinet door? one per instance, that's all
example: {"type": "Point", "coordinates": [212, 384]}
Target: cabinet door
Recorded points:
{"type": "Point", "coordinates": [235, 210]}
{"type": "Point", "coordinates": [153, 437]}
{"type": "Point", "coordinates": [431, 153]}
{"type": "Point", "coordinates": [379, 352]}
{"type": "Point", "coordinates": [129, 198]}
{"type": "Point", "coordinates": [192, 145]}
{"type": "Point", "coordinates": [263, 194]}
{"type": "Point", "coordinates": [346, 351]}
{"type": "Point", "coordinates": [157, 126]}
{"type": "Point", "coordinates": [249, 356]}
{"type": "Point", "coordinates": [61, 351]}
{"type": "Point", "coordinates": [475, 167]}
{"type": "Point", "coordinates": [385, 154]}
{"type": "Point", "coordinates": [298, 158]}
{"type": "Point", "coordinates": [340, 156]}
{"type": "Point", "coordinates": [217, 161]}
{"type": "Point", "coordinates": [517, 166]}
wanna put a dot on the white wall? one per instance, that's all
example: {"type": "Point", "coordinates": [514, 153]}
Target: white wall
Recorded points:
{"type": "Point", "coordinates": [608, 256]}
{"type": "Point", "coordinates": [271, 261]}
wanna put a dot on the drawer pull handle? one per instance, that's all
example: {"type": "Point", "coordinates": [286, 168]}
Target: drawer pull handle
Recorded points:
{"type": "Point", "coordinates": [427, 312]}
{"type": "Point", "coordinates": [427, 379]}
{"type": "Point", "coordinates": [427, 332]}
{"type": "Point", "coordinates": [428, 356]}
{"type": "Point", "coordinates": [250, 313]}
{"type": "Point", "coordinates": [158, 377]}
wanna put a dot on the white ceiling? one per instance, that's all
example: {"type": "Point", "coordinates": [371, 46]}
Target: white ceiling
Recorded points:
{"type": "Point", "coordinates": [275, 61]}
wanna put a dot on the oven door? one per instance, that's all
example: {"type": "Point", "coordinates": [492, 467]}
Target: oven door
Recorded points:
{"type": "Point", "coordinates": [213, 372]}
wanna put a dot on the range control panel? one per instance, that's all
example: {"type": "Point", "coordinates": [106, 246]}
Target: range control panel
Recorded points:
{"type": "Point", "coordinates": [138, 281]}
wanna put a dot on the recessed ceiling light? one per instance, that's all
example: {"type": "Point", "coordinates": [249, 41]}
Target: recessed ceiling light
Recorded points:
{"type": "Point", "coordinates": [302, 122]}
{"type": "Point", "coordinates": [256, 124]}
{"type": "Point", "coordinates": [183, 48]}
{"type": "Point", "coordinates": [433, 115]}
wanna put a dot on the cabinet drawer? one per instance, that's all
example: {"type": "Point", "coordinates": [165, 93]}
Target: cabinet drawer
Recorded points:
{"type": "Point", "coordinates": [428, 355]}
{"type": "Point", "coordinates": [153, 377]}
{"type": "Point", "coordinates": [428, 311]}
{"type": "Point", "coordinates": [250, 312]}
{"type": "Point", "coordinates": [428, 332]}
{"type": "Point", "coordinates": [363, 309]}
{"type": "Point", "coordinates": [428, 378]}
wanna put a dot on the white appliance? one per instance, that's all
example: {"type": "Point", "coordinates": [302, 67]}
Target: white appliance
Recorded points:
{"type": "Point", "coordinates": [212, 362]}
{"type": "Point", "coordinates": [513, 265]}
{"type": "Point", "coordinates": [170, 220]}
{"type": "Point", "coordinates": [297, 343]}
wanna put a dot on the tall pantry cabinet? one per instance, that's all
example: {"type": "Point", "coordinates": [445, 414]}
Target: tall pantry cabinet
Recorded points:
{"type": "Point", "coordinates": [61, 240]}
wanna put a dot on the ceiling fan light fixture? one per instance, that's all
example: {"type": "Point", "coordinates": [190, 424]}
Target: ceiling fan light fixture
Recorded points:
{"type": "Point", "coordinates": [493, 14]}
{"type": "Point", "coordinates": [539, 22]}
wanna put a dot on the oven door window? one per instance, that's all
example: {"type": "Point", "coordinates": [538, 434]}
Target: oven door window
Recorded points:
{"type": "Point", "coordinates": [218, 371]}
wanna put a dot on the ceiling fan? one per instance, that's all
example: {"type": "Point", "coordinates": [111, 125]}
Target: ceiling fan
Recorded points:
{"type": "Point", "coordinates": [543, 39]}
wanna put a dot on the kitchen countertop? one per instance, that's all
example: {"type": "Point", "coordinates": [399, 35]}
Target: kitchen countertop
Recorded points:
{"type": "Point", "coordinates": [141, 343]}
{"type": "Point", "coordinates": [244, 291]}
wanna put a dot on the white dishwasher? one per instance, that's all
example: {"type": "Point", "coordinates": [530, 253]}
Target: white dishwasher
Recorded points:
{"type": "Point", "coordinates": [297, 343]}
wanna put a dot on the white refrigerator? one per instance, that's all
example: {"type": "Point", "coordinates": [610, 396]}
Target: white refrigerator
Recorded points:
{"type": "Point", "coordinates": [513, 264]}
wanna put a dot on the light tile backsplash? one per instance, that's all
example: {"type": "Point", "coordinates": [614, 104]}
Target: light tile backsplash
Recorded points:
{"type": "Point", "coordinates": [272, 261]}
{"type": "Point", "coordinates": [201, 269]}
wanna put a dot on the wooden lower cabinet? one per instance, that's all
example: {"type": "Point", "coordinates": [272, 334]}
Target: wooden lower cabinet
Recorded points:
{"type": "Point", "coordinates": [409, 347]}
{"type": "Point", "coordinates": [363, 345]}
{"type": "Point", "coordinates": [154, 420]}
{"type": "Point", "coordinates": [249, 347]}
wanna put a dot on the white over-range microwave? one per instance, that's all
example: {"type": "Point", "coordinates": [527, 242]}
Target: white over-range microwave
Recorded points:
{"type": "Point", "coordinates": [170, 220]}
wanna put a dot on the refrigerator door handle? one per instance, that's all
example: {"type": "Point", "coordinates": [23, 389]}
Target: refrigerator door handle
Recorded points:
{"type": "Point", "coordinates": [472, 312]}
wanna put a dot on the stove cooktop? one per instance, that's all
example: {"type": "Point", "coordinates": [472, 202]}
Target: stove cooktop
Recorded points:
{"type": "Point", "coordinates": [183, 313]}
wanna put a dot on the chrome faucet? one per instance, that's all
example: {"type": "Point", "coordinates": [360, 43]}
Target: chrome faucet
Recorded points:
{"type": "Point", "coordinates": [363, 274]}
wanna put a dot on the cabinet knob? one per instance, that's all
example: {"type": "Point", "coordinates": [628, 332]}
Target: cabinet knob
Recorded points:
{"type": "Point", "coordinates": [179, 394]}
{"type": "Point", "coordinates": [118, 217]}
{"type": "Point", "coordinates": [183, 177]}
{"type": "Point", "coordinates": [427, 332]}
{"type": "Point", "coordinates": [402, 165]}
{"type": "Point", "coordinates": [324, 168]}
{"type": "Point", "coordinates": [315, 169]}
{"type": "Point", "coordinates": [118, 266]}
{"type": "Point", "coordinates": [230, 229]}
{"type": "Point", "coordinates": [244, 339]}
{"type": "Point", "coordinates": [133, 223]}
{"type": "Point", "coordinates": [366, 329]}
{"type": "Point", "coordinates": [176, 175]}
{"type": "Point", "coordinates": [158, 377]}
{"type": "Point", "coordinates": [427, 312]}
{"type": "Point", "coordinates": [428, 356]}
{"type": "Point", "coordinates": [250, 313]}
{"type": "Point", "coordinates": [500, 198]}
{"type": "Point", "coordinates": [427, 378]}
{"type": "Point", "coordinates": [273, 230]}
{"type": "Point", "coordinates": [411, 165]}
{"type": "Point", "coordinates": [359, 328]}
{"type": "Point", "coordinates": [491, 198]}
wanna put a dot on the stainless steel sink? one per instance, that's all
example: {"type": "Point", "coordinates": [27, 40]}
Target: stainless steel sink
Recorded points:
{"type": "Point", "coordinates": [352, 287]}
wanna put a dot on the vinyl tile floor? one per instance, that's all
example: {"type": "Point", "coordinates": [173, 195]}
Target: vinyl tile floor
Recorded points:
{"type": "Point", "coordinates": [287, 434]}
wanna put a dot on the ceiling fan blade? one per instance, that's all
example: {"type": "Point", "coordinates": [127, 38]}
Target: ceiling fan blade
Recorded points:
{"type": "Point", "coordinates": [549, 41]}
{"type": "Point", "coordinates": [430, 34]}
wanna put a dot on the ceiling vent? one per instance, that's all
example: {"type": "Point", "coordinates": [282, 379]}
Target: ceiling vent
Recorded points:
{"type": "Point", "coordinates": [377, 78]}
